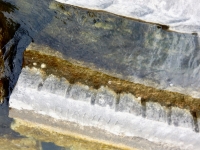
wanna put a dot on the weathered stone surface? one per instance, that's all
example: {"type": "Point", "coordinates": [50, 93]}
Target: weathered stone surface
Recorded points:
{"type": "Point", "coordinates": [82, 93]}
{"type": "Point", "coordinates": [125, 48]}
{"type": "Point", "coordinates": [182, 118]}
{"type": "Point", "coordinates": [129, 103]}
{"type": "Point", "coordinates": [102, 115]}
{"type": "Point", "coordinates": [155, 111]}
{"type": "Point", "coordinates": [30, 79]}
{"type": "Point", "coordinates": [55, 85]}
{"type": "Point", "coordinates": [106, 97]}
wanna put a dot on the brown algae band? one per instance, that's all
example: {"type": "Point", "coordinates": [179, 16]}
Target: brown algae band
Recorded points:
{"type": "Point", "coordinates": [95, 79]}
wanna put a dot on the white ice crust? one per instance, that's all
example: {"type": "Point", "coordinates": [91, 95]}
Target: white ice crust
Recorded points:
{"type": "Point", "coordinates": [180, 15]}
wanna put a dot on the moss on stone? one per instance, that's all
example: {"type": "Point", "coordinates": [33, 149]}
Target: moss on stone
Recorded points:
{"type": "Point", "coordinates": [95, 79]}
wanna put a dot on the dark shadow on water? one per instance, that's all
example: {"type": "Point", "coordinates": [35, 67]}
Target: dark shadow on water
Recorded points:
{"type": "Point", "coordinates": [52, 146]}
{"type": "Point", "coordinates": [5, 122]}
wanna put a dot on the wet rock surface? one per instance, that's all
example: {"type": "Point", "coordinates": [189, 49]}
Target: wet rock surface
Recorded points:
{"type": "Point", "coordinates": [127, 49]}
{"type": "Point", "coordinates": [54, 85]}
{"type": "Point", "coordinates": [180, 117]}
{"type": "Point", "coordinates": [95, 79]}
{"type": "Point", "coordinates": [81, 92]}
{"type": "Point", "coordinates": [156, 112]}
{"type": "Point", "coordinates": [145, 61]}
{"type": "Point", "coordinates": [105, 98]}
{"type": "Point", "coordinates": [131, 104]}
{"type": "Point", "coordinates": [171, 126]}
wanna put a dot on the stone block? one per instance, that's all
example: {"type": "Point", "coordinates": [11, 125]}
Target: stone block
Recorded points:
{"type": "Point", "coordinates": [81, 92]}
{"type": "Point", "coordinates": [30, 78]}
{"type": "Point", "coordinates": [155, 111]}
{"type": "Point", "coordinates": [129, 103]}
{"type": "Point", "coordinates": [105, 97]}
{"type": "Point", "coordinates": [182, 118]}
{"type": "Point", "coordinates": [55, 85]}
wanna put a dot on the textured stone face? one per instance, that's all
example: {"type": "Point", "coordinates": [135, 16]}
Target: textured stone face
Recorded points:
{"type": "Point", "coordinates": [82, 93]}
{"type": "Point", "coordinates": [180, 117]}
{"type": "Point", "coordinates": [109, 111]}
{"type": "Point", "coordinates": [156, 112]}
{"type": "Point", "coordinates": [55, 85]}
{"type": "Point", "coordinates": [105, 97]}
{"type": "Point", "coordinates": [131, 104]}
{"type": "Point", "coordinates": [26, 79]}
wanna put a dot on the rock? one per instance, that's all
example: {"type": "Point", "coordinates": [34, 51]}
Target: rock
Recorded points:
{"type": "Point", "coordinates": [55, 85]}
{"type": "Point", "coordinates": [155, 111]}
{"type": "Point", "coordinates": [81, 92]}
{"type": "Point", "coordinates": [105, 97]}
{"type": "Point", "coordinates": [182, 118]}
{"type": "Point", "coordinates": [30, 78]}
{"type": "Point", "coordinates": [129, 103]}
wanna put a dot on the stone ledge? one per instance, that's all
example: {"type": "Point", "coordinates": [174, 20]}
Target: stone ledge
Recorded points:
{"type": "Point", "coordinates": [87, 113]}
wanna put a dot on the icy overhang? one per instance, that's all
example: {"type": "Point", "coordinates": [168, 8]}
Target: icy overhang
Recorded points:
{"type": "Point", "coordinates": [180, 15]}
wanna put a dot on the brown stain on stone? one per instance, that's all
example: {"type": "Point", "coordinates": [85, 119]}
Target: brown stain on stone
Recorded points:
{"type": "Point", "coordinates": [95, 79]}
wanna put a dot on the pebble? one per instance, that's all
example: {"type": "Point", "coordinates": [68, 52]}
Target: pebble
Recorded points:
{"type": "Point", "coordinates": [43, 65]}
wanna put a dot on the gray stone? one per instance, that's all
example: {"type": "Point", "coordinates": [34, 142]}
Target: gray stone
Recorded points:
{"type": "Point", "coordinates": [55, 85]}
{"type": "Point", "coordinates": [155, 111]}
{"type": "Point", "coordinates": [81, 92]}
{"type": "Point", "coordinates": [105, 97]}
{"type": "Point", "coordinates": [30, 78]}
{"type": "Point", "coordinates": [129, 103]}
{"type": "Point", "coordinates": [182, 118]}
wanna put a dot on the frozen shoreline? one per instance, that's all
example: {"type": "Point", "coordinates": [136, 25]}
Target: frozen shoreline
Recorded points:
{"type": "Point", "coordinates": [180, 16]}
